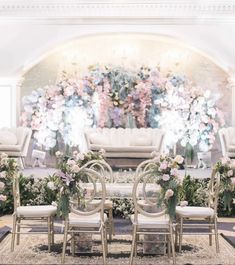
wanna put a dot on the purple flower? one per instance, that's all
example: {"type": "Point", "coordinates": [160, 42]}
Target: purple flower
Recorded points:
{"type": "Point", "coordinates": [65, 177]}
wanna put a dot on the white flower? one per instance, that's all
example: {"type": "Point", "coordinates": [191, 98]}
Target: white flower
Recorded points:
{"type": "Point", "coordinates": [3, 198]}
{"type": "Point", "coordinates": [75, 168]}
{"type": "Point", "coordinates": [58, 154]}
{"type": "Point", "coordinates": [174, 172]}
{"type": "Point", "coordinates": [80, 156]}
{"type": "Point", "coordinates": [225, 160]}
{"type": "Point", "coordinates": [51, 185]}
{"type": "Point", "coordinates": [3, 175]}
{"type": "Point", "coordinates": [165, 177]}
{"type": "Point", "coordinates": [169, 193]}
{"type": "Point", "coordinates": [2, 185]}
{"type": "Point", "coordinates": [233, 181]}
{"type": "Point", "coordinates": [71, 162]}
{"type": "Point", "coordinates": [54, 204]}
{"type": "Point", "coordinates": [179, 159]}
{"type": "Point", "coordinates": [183, 203]}
{"type": "Point", "coordinates": [230, 173]}
{"type": "Point", "coordinates": [102, 151]}
{"type": "Point", "coordinates": [154, 153]}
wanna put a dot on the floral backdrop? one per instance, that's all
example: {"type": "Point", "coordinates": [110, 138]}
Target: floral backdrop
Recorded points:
{"type": "Point", "coordinates": [113, 96]}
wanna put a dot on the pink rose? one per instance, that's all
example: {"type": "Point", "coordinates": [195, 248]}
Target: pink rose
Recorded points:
{"type": "Point", "coordinates": [2, 185]}
{"type": "Point", "coordinates": [169, 193]}
{"type": "Point", "coordinates": [75, 168]}
{"type": "Point", "coordinates": [71, 162]}
{"type": "Point", "coordinates": [165, 177]}
{"type": "Point", "coordinates": [3, 198]}
{"type": "Point", "coordinates": [230, 173]}
{"type": "Point", "coordinates": [233, 181]}
{"type": "Point", "coordinates": [163, 166]}
{"type": "Point", "coordinates": [174, 172]}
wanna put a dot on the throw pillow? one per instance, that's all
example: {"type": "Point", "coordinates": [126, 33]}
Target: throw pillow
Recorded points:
{"type": "Point", "coordinates": [7, 137]}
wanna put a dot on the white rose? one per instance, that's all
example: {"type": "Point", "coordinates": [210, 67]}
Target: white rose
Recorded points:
{"type": "Point", "coordinates": [3, 175]}
{"type": "Point", "coordinates": [179, 159]}
{"type": "Point", "coordinates": [75, 168]}
{"type": "Point", "coordinates": [51, 185]}
{"type": "Point", "coordinates": [3, 198]}
{"type": "Point", "coordinates": [54, 204]}
{"type": "Point", "coordinates": [233, 181]}
{"type": "Point", "coordinates": [165, 177]}
{"type": "Point", "coordinates": [58, 154]}
{"type": "Point", "coordinates": [183, 203]}
{"type": "Point", "coordinates": [80, 156]}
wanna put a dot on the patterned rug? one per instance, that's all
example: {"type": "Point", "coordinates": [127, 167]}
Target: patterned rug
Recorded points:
{"type": "Point", "coordinates": [33, 250]}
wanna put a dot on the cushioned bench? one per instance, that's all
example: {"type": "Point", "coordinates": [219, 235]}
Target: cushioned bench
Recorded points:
{"type": "Point", "coordinates": [129, 143]}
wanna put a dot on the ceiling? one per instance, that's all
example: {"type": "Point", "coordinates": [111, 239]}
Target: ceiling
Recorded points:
{"type": "Point", "coordinates": [30, 29]}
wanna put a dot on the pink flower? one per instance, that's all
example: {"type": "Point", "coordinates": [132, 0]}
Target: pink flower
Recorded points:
{"type": "Point", "coordinates": [165, 177]}
{"type": "Point", "coordinates": [3, 198]}
{"type": "Point", "coordinates": [174, 172]}
{"type": "Point", "coordinates": [230, 173]}
{"type": "Point", "coordinates": [2, 185]}
{"type": "Point", "coordinates": [3, 175]}
{"type": "Point", "coordinates": [225, 160]}
{"type": "Point", "coordinates": [71, 162]}
{"type": "Point", "coordinates": [163, 166]}
{"type": "Point", "coordinates": [233, 181]}
{"type": "Point", "coordinates": [75, 168]}
{"type": "Point", "coordinates": [80, 156]}
{"type": "Point", "coordinates": [169, 193]}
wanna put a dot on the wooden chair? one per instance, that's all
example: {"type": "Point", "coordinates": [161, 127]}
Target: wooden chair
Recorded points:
{"type": "Point", "coordinates": [30, 213]}
{"type": "Point", "coordinates": [84, 217]}
{"type": "Point", "coordinates": [195, 213]}
{"type": "Point", "coordinates": [150, 219]}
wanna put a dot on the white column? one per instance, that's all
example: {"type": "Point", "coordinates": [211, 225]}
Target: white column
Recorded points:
{"type": "Point", "coordinates": [232, 85]}
{"type": "Point", "coordinates": [9, 103]}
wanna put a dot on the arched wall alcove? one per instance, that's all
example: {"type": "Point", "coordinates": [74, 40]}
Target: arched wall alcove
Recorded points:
{"type": "Point", "coordinates": [131, 51]}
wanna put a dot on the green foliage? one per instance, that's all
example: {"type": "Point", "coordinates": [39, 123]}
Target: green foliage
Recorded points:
{"type": "Point", "coordinates": [123, 207]}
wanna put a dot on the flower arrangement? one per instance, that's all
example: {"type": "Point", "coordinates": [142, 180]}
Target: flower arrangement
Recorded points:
{"type": "Point", "coordinates": [227, 177]}
{"type": "Point", "coordinates": [166, 170]}
{"type": "Point", "coordinates": [110, 96]}
{"type": "Point", "coordinates": [8, 168]}
{"type": "Point", "coordinates": [66, 180]}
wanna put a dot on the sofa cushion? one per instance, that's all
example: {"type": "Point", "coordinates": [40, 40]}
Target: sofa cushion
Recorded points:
{"type": "Point", "coordinates": [141, 141]}
{"type": "Point", "coordinates": [98, 139]}
{"type": "Point", "coordinates": [7, 137]}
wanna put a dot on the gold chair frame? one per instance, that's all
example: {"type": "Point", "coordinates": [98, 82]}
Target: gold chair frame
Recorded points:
{"type": "Point", "coordinates": [137, 230]}
{"type": "Point", "coordinates": [99, 208]}
{"type": "Point", "coordinates": [214, 187]}
{"type": "Point", "coordinates": [17, 219]}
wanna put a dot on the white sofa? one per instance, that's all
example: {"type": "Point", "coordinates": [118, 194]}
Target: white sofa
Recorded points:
{"type": "Point", "coordinates": [15, 141]}
{"type": "Point", "coordinates": [125, 143]}
{"type": "Point", "coordinates": [227, 141]}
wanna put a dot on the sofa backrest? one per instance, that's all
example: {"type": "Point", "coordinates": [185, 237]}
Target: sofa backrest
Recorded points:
{"type": "Point", "coordinates": [227, 137]}
{"type": "Point", "coordinates": [120, 137]}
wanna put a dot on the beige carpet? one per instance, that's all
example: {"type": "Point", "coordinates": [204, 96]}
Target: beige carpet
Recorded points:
{"type": "Point", "coordinates": [33, 250]}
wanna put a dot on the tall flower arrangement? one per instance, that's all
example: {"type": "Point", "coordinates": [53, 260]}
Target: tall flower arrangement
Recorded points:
{"type": "Point", "coordinates": [110, 96]}
{"type": "Point", "coordinates": [66, 180]}
{"type": "Point", "coordinates": [227, 176]}
{"type": "Point", "coordinates": [166, 170]}
{"type": "Point", "coordinates": [8, 168]}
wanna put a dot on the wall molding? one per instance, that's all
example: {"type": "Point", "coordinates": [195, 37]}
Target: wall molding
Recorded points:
{"type": "Point", "coordinates": [118, 12]}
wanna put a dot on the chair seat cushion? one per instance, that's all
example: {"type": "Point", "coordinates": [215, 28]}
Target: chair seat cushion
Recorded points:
{"type": "Point", "coordinates": [195, 212]}
{"type": "Point", "coordinates": [107, 203]}
{"type": "Point", "coordinates": [7, 137]}
{"type": "Point", "coordinates": [36, 211]}
{"type": "Point", "coordinates": [4, 147]}
{"type": "Point", "coordinates": [127, 149]}
{"type": "Point", "coordinates": [151, 222]}
{"type": "Point", "coordinates": [93, 220]}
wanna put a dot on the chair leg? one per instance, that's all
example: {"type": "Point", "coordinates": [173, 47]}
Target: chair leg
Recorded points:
{"type": "Point", "coordinates": [49, 233]}
{"type": "Point", "coordinates": [65, 241]}
{"type": "Point", "coordinates": [73, 243]}
{"type": "Point", "coordinates": [168, 246]}
{"type": "Point", "coordinates": [13, 233]}
{"type": "Point", "coordinates": [103, 245]}
{"type": "Point", "coordinates": [181, 233]}
{"type": "Point", "coordinates": [111, 225]}
{"type": "Point", "coordinates": [106, 241]}
{"type": "Point", "coordinates": [133, 244]}
{"type": "Point", "coordinates": [210, 231]}
{"type": "Point", "coordinates": [172, 244]}
{"type": "Point", "coordinates": [18, 232]}
{"type": "Point", "coordinates": [216, 235]}
{"type": "Point", "coordinates": [176, 232]}
{"type": "Point", "coordinates": [52, 231]}
{"type": "Point", "coordinates": [137, 238]}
